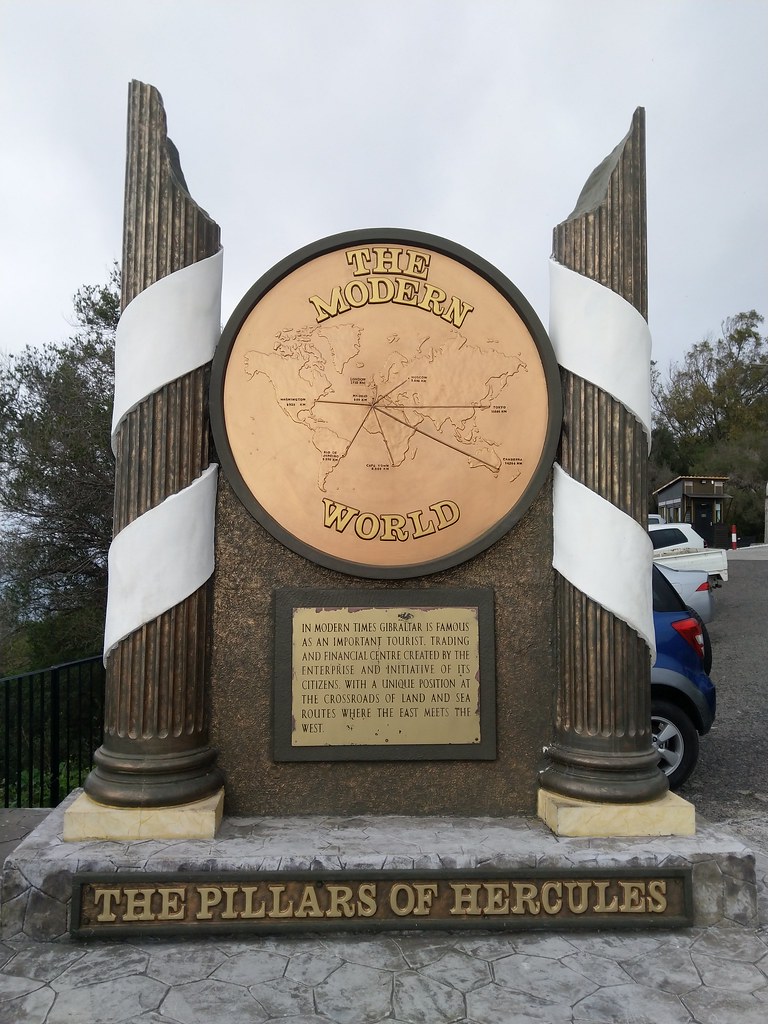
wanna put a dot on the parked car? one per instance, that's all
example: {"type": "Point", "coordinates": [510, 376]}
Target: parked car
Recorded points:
{"type": "Point", "coordinates": [695, 591]}
{"type": "Point", "coordinates": [694, 588]}
{"type": "Point", "coordinates": [654, 519]}
{"type": "Point", "coordinates": [683, 697]}
{"type": "Point", "coordinates": [678, 546]}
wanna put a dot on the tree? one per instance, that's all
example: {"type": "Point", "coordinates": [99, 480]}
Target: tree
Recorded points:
{"type": "Point", "coordinates": [721, 389]}
{"type": "Point", "coordinates": [711, 415]}
{"type": "Point", "coordinates": [56, 488]}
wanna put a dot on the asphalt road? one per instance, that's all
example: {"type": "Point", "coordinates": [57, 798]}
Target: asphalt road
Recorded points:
{"type": "Point", "coordinates": [730, 783]}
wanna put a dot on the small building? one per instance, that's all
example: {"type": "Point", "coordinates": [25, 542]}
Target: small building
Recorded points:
{"type": "Point", "coordinates": [700, 501]}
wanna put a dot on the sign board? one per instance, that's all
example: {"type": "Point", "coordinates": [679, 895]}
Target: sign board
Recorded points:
{"type": "Point", "coordinates": [371, 675]}
{"type": "Point", "coordinates": [137, 903]}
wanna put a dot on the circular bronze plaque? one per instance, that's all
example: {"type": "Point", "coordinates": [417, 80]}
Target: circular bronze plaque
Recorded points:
{"type": "Point", "coordinates": [385, 403]}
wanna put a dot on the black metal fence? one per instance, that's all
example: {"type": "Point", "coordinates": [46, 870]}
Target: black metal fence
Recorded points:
{"type": "Point", "coordinates": [51, 722]}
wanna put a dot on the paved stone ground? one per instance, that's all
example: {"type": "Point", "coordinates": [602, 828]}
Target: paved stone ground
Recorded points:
{"type": "Point", "coordinates": [717, 975]}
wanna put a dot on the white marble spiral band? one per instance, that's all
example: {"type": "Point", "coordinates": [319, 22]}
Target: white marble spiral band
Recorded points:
{"type": "Point", "coordinates": [168, 330]}
{"type": "Point", "coordinates": [604, 553]}
{"type": "Point", "coordinates": [160, 558]}
{"type": "Point", "coordinates": [166, 554]}
{"type": "Point", "coordinates": [601, 337]}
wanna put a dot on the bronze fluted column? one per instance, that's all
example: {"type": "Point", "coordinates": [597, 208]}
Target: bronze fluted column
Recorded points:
{"type": "Point", "coordinates": [155, 749]}
{"type": "Point", "coordinates": [603, 749]}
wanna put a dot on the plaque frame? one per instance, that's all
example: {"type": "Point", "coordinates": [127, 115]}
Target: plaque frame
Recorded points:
{"type": "Point", "coordinates": [286, 599]}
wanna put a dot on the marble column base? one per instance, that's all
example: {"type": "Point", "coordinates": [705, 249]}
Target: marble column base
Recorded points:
{"type": "Point", "coordinates": [87, 819]}
{"type": "Point", "coordinates": [670, 815]}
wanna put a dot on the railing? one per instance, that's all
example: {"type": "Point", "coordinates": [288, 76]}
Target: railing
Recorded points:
{"type": "Point", "coordinates": [51, 722]}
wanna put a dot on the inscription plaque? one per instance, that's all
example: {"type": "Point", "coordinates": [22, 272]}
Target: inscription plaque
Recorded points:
{"type": "Point", "coordinates": [119, 905]}
{"type": "Point", "coordinates": [375, 675]}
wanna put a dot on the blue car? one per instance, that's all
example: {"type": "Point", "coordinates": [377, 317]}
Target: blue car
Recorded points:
{"type": "Point", "coordinates": [683, 699]}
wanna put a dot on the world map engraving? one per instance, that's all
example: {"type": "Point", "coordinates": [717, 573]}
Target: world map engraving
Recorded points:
{"type": "Point", "coordinates": [384, 406]}
{"type": "Point", "coordinates": [430, 396]}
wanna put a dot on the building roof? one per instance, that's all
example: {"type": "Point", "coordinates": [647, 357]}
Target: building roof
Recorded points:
{"type": "Point", "coordinates": [703, 477]}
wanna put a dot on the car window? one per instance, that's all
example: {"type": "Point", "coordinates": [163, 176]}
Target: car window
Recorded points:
{"type": "Point", "coordinates": [663, 538]}
{"type": "Point", "coordinates": [665, 597]}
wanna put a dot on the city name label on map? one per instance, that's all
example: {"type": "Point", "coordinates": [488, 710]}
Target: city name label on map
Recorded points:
{"type": "Point", "coordinates": [104, 905]}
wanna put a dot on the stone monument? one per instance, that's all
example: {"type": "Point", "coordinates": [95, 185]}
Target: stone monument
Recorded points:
{"type": "Point", "coordinates": [386, 409]}
{"type": "Point", "coordinates": [380, 582]}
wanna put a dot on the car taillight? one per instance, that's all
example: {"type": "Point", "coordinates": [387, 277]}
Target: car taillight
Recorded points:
{"type": "Point", "coordinates": [690, 631]}
{"type": "Point", "coordinates": [703, 586]}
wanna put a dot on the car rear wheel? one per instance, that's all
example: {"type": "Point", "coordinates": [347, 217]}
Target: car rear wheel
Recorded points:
{"type": "Point", "coordinates": [676, 740]}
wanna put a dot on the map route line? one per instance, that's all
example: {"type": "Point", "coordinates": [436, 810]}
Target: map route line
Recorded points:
{"type": "Point", "coordinates": [354, 436]}
{"type": "Point", "coordinates": [435, 407]}
{"type": "Point", "coordinates": [384, 436]}
{"type": "Point", "coordinates": [339, 401]}
{"type": "Point", "coordinates": [438, 440]}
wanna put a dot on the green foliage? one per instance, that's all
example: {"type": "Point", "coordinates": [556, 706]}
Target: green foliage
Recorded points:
{"type": "Point", "coordinates": [711, 417]}
{"type": "Point", "coordinates": [56, 488]}
{"type": "Point", "coordinates": [34, 789]}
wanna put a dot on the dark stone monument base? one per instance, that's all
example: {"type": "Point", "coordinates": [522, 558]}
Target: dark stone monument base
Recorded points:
{"type": "Point", "coordinates": [251, 565]}
{"type": "Point", "coordinates": [37, 876]}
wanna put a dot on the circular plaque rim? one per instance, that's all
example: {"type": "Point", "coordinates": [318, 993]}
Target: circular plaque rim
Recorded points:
{"type": "Point", "coordinates": [477, 265]}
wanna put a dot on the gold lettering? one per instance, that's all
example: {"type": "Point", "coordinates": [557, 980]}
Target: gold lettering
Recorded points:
{"type": "Point", "coordinates": [387, 259]}
{"type": "Point", "coordinates": [210, 896]}
{"type": "Point", "coordinates": [229, 913]}
{"type": "Point", "coordinates": [249, 912]}
{"type": "Point", "coordinates": [379, 283]}
{"type": "Point", "coordinates": [577, 906]}
{"type": "Point", "coordinates": [359, 258]}
{"type": "Point", "coordinates": [276, 910]}
{"type": "Point", "coordinates": [498, 897]}
{"type": "Point", "coordinates": [657, 896]}
{"type": "Point", "coordinates": [447, 513]}
{"type": "Point", "coordinates": [549, 905]}
{"type": "Point", "coordinates": [340, 901]}
{"type": "Point", "coordinates": [633, 897]}
{"type": "Point", "coordinates": [335, 305]}
{"type": "Point", "coordinates": [138, 907]}
{"type": "Point", "coordinates": [396, 905]}
{"type": "Point", "coordinates": [171, 904]}
{"type": "Point", "coordinates": [338, 516]}
{"type": "Point", "coordinates": [431, 299]}
{"type": "Point", "coordinates": [308, 904]}
{"type": "Point", "coordinates": [418, 264]}
{"type": "Point", "coordinates": [456, 313]}
{"type": "Point", "coordinates": [366, 895]}
{"type": "Point", "coordinates": [425, 894]}
{"type": "Point", "coordinates": [109, 896]}
{"type": "Point", "coordinates": [525, 896]}
{"type": "Point", "coordinates": [419, 530]}
{"type": "Point", "coordinates": [600, 906]}
{"type": "Point", "coordinates": [465, 898]}
{"type": "Point", "coordinates": [393, 527]}
{"type": "Point", "coordinates": [367, 526]}
{"type": "Point", "coordinates": [407, 293]}
{"type": "Point", "coordinates": [356, 294]}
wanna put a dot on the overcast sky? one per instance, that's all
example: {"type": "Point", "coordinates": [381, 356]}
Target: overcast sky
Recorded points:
{"type": "Point", "coordinates": [478, 121]}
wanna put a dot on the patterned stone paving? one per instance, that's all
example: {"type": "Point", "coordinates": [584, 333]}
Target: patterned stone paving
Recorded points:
{"type": "Point", "coordinates": [712, 975]}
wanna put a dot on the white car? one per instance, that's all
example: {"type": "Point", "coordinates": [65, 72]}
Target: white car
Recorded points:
{"type": "Point", "coordinates": [694, 588]}
{"type": "Point", "coordinates": [671, 536]}
{"type": "Point", "coordinates": [678, 546]}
